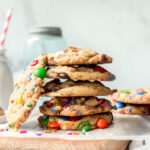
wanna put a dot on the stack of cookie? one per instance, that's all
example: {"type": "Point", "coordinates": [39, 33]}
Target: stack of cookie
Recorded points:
{"type": "Point", "coordinates": [133, 102]}
{"type": "Point", "coordinates": [74, 105]}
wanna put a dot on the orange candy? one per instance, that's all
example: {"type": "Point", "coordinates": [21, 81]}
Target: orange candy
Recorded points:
{"type": "Point", "coordinates": [53, 125]}
{"type": "Point", "coordinates": [101, 123]}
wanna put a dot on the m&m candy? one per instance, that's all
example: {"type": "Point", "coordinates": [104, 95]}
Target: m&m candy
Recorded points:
{"type": "Point", "coordinates": [53, 125]}
{"type": "Point", "coordinates": [74, 118]}
{"type": "Point", "coordinates": [140, 93]}
{"type": "Point", "coordinates": [84, 126]}
{"type": "Point", "coordinates": [119, 105]}
{"type": "Point", "coordinates": [101, 123]}
{"type": "Point", "coordinates": [19, 99]}
{"type": "Point", "coordinates": [34, 63]}
{"type": "Point", "coordinates": [100, 69]}
{"type": "Point", "coordinates": [40, 73]}
{"type": "Point", "coordinates": [45, 121]}
{"type": "Point", "coordinates": [64, 118]}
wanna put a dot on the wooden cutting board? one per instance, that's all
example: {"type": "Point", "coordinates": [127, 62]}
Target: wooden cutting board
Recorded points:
{"type": "Point", "coordinates": [11, 143]}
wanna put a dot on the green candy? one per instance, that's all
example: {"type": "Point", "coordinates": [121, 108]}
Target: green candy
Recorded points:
{"type": "Point", "coordinates": [126, 92]}
{"type": "Point", "coordinates": [29, 105]}
{"type": "Point", "coordinates": [45, 121]}
{"type": "Point", "coordinates": [40, 72]}
{"type": "Point", "coordinates": [86, 127]}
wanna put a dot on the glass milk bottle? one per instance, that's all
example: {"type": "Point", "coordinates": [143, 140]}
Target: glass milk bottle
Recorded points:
{"type": "Point", "coordinates": [6, 81]}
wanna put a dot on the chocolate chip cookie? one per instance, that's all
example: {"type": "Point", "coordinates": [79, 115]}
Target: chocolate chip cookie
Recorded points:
{"type": "Point", "coordinates": [140, 96]}
{"type": "Point", "coordinates": [131, 109]}
{"type": "Point", "coordinates": [71, 88]}
{"type": "Point", "coordinates": [74, 123]}
{"type": "Point", "coordinates": [75, 106]}
{"type": "Point", "coordinates": [76, 56]}
{"type": "Point", "coordinates": [92, 72]}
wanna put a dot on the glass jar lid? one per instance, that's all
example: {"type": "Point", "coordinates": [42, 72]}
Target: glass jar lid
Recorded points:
{"type": "Point", "coordinates": [52, 31]}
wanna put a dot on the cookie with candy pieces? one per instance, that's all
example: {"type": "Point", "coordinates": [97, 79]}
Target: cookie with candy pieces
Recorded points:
{"type": "Point", "coordinates": [75, 106]}
{"type": "Point", "coordinates": [76, 123]}
{"type": "Point", "coordinates": [27, 91]}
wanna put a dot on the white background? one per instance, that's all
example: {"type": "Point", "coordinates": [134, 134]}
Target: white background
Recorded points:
{"type": "Point", "coordinates": [120, 28]}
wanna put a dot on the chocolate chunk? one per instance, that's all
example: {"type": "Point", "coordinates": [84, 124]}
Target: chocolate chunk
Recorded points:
{"type": "Point", "coordinates": [52, 86]}
{"type": "Point", "coordinates": [103, 60]}
{"type": "Point", "coordinates": [55, 88]}
{"type": "Point", "coordinates": [63, 75]}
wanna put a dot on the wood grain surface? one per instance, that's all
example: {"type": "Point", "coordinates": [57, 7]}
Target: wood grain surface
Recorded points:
{"type": "Point", "coordinates": [11, 143]}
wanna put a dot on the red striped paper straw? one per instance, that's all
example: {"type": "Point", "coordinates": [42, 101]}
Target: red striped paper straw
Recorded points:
{"type": "Point", "coordinates": [4, 31]}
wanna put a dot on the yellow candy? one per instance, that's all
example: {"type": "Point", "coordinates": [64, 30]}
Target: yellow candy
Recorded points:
{"type": "Point", "coordinates": [19, 98]}
{"type": "Point", "coordinates": [15, 130]}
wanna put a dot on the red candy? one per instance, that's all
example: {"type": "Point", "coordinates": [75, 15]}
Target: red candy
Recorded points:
{"type": "Point", "coordinates": [34, 63]}
{"type": "Point", "coordinates": [74, 118]}
{"type": "Point", "coordinates": [101, 123]}
{"type": "Point", "coordinates": [53, 125]}
{"type": "Point", "coordinates": [100, 69]}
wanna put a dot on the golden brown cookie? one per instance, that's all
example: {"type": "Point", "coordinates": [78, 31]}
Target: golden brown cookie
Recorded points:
{"type": "Point", "coordinates": [80, 73]}
{"type": "Point", "coordinates": [76, 56]}
{"type": "Point", "coordinates": [140, 96]}
{"type": "Point", "coordinates": [74, 123]}
{"type": "Point", "coordinates": [71, 88]}
{"type": "Point", "coordinates": [131, 109]}
{"type": "Point", "coordinates": [75, 106]}
{"type": "Point", "coordinates": [26, 92]}
{"type": "Point", "coordinates": [2, 112]}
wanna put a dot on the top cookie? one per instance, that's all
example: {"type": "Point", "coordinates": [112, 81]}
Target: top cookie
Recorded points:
{"type": "Point", "coordinates": [140, 96]}
{"type": "Point", "coordinates": [26, 92]}
{"type": "Point", "coordinates": [77, 56]}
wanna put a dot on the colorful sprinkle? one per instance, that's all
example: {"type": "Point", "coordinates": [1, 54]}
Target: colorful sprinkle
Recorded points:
{"type": "Point", "coordinates": [130, 97]}
{"type": "Point", "coordinates": [23, 131]}
{"type": "Point", "coordinates": [69, 133]}
{"type": "Point", "coordinates": [46, 131]}
{"type": "Point", "coordinates": [29, 105]}
{"type": "Point", "coordinates": [25, 90]}
{"type": "Point", "coordinates": [129, 110]}
{"type": "Point", "coordinates": [29, 77]}
{"type": "Point", "coordinates": [122, 112]}
{"type": "Point", "coordinates": [139, 93]}
{"type": "Point", "coordinates": [75, 133]}
{"type": "Point", "coordinates": [12, 101]}
{"type": "Point", "coordinates": [35, 85]}
{"type": "Point", "coordinates": [126, 92]}
{"type": "Point", "coordinates": [38, 134]}
{"type": "Point", "coordinates": [111, 78]}
{"type": "Point", "coordinates": [32, 89]}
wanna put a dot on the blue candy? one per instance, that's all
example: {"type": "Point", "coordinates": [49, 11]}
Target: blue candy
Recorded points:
{"type": "Point", "coordinates": [53, 110]}
{"type": "Point", "coordinates": [119, 105]}
{"type": "Point", "coordinates": [64, 118]}
{"type": "Point", "coordinates": [111, 78]}
{"type": "Point", "coordinates": [139, 93]}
